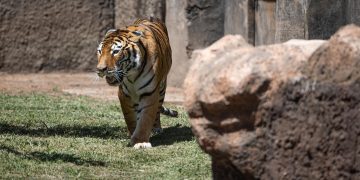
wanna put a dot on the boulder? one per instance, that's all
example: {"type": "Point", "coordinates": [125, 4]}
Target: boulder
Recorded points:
{"type": "Point", "coordinates": [284, 111]}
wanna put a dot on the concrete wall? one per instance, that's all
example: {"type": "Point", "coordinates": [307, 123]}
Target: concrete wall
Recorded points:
{"type": "Point", "coordinates": [63, 35]}
{"type": "Point", "coordinates": [126, 11]}
{"type": "Point", "coordinates": [178, 34]}
{"type": "Point", "coordinates": [240, 18]}
{"type": "Point", "coordinates": [192, 24]}
{"type": "Point", "coordinates": [56, 35]}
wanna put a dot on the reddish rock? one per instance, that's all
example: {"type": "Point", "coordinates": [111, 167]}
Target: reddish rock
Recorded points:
{"type": "Point", "coordinates": [285, 111]}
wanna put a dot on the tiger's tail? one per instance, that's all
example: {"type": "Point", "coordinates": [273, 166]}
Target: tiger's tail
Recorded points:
{"type": "Point", "coordinates": [168, 112]}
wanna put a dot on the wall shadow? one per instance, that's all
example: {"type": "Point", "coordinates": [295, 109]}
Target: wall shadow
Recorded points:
{"type": "Point", "coordinates": [103, 131]}
{"type": "Point", "coordinates": [53, 156]}
{"type": "Point", "coordinates": [171, 135]}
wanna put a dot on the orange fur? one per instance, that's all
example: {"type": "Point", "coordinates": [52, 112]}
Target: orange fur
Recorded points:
{"type": "Point", "coordinates": [138, 59]}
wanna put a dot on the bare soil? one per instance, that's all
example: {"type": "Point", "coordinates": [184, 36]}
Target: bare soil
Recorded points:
{"type": "Point", "coordinates": [87, 84]}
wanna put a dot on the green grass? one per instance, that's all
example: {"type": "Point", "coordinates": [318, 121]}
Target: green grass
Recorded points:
{"type": "Point", "coordinates": [62, 137]}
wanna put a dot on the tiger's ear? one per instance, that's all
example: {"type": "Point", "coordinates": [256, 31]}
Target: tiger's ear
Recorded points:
{"type": "Point", "coordinates": [110, 31]}
{"type": "Point", "coordinates": [138, 33]}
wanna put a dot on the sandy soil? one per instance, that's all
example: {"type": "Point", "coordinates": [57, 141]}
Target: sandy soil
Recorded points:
{"type": "Point", "coordinates": [87, 84]}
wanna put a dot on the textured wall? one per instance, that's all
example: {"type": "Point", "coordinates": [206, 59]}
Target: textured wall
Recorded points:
{"type": "Point", "coordinates": [322, 24]}
{"type": "Point", "coordinates": [265, 22]}
{"type": "Point", "coordinates": [62, 35]}
{"type": "Point", "coordinates": [127, 11]}
{"type": "Point", "coordinates": [56, 35]}
{"type": "Point", "coordinates": [240, 18]}
{"type": "Point", "coordinates": [192, 24]}
{"type": "Point", "coordinates": [178, 33]}
{"type": "Point", "coordinates": [205, 19]}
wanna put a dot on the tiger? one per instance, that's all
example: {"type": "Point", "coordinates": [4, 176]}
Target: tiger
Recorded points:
{"type": "Point", "coordinates": [137, 59]}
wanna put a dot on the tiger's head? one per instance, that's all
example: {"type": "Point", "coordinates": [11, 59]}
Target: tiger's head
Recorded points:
{"type": "Point", "coordinates": [118, 54]}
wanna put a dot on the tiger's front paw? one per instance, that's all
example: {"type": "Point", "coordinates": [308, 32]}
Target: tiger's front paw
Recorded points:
{"type": "Point", "coordinates": [142, 145]}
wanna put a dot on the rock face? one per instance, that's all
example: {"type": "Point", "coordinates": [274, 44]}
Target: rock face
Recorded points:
{"type": "Point", "coordinates": [61, 35]}
{"type": "Point", "coordinates": [285, 111]}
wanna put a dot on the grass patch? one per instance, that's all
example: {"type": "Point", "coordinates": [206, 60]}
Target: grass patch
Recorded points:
{"type": "Point", "coordinates": [45, 137]}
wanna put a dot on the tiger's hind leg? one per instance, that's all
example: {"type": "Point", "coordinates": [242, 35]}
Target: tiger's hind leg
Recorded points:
{"type": "Point", "coordinates": [157, 125]}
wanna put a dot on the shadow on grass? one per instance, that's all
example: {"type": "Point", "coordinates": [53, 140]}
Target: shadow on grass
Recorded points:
{"type": "Point", "coordinates": [172, 135]}
{"type": "Point", "coordinates": [103, 131]}
{"type": "Point", "coordinates": [53, 156]}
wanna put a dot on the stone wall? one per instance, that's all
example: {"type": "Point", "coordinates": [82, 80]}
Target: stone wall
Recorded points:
{"type": "Point", "coordinates": [62, 35]}
{"type": "Point", "coordinates": [127, 11]}
{"type": "Point", "coordinates": [178, 35]}
{"type": "Point", "coordinates": [274, 21]}
{"type": "Point", "coordinates": [192, 24]}
{"type": "Point", "coordinates": [57, 35]}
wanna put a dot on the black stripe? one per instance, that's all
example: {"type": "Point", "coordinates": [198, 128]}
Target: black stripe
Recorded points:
{"type": "Point", "coordinates": [144, 60]}
{"type": "Point", "coordinates": [126, 87]}
{"type": "Point", "coordinates": [162, 92]}
{"type": "Point", "coordinates": [147, 83]}
{"type": "Point", "coordinates": [147, 93]}
{"type": "Point", "coordinates": [129, 80]}
{"type": "Point", "coordinates": [128, 53]}
{"type": "Point", "coordinates": [139, 111]}
{"type": "Point", "coordinates": [126, 95]}
{"type": "Point", "coordinates": [147, 72]}
{"type": "Point", "coordinates": [131, 50]}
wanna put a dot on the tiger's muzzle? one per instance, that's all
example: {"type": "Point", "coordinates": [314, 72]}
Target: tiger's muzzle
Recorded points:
{"type": "Point", "coordinates": [113, 77]}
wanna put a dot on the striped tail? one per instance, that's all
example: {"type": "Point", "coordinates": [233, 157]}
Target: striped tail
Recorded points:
{"type": "Point", "coordinates": [168, 112]}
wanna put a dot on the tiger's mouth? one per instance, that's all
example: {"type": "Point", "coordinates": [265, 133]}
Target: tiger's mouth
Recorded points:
{"type": "Point", "coordinates": [113, 77]}
{"type": "Point", "coordinates": [112, 81]}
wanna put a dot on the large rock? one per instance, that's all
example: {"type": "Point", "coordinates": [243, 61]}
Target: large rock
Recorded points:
{"type": "Point", "coordinates": [286, 111]}
{"type": "Point", "coordinates": [56, 35]}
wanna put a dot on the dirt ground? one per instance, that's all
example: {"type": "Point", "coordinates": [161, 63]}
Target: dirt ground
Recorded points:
{"type": "Point", "coordinates": [87, 84]}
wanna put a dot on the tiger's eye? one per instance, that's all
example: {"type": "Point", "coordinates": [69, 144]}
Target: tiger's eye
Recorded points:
{"type": "Point", "coordinates": [115, 51]}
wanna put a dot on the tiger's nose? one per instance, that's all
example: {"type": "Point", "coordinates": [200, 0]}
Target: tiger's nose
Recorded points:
{"type": "Point", "coordinates": [101, 68]}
